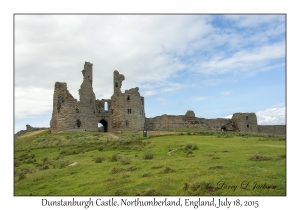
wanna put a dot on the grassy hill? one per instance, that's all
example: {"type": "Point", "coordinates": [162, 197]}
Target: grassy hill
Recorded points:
{"type": "Point", "coordinates": [182, 162]}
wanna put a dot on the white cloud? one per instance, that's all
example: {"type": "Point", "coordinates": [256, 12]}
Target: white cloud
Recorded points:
{"type": "Point", "coordinates": [155, 88]}
{"type": "Point", "coordinates": [201, 98]}
{"type": "Point", "coordinates": [271, 116]}
{"type": "Point", "coordinates": [226, 93]}
{"type": "Point", "coordinates": [217, 81]}
{"type": "Point", "coordinates": [32, 102]}
{"type": "Point", "coordinates": [228, 116]}
{"type": "Point", "coordinates": [246, 21]}
{"type": "Point", "coordinates": [143, 48]}
{"type": "Point", "coordinates": [243, 61]}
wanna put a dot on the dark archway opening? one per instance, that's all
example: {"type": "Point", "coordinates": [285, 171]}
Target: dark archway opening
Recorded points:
{"type": "Point", "coordinates": [103, 126]}
{"type": "Point", "coordinates": [223, 128]}
{"type": "Point", "coordinates": [78, 123]}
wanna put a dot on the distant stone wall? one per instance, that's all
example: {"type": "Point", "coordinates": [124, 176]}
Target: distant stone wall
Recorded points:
{"type": "Point", "coordinates": [166, 122]}
{"type": "Point", "coordinates": [272, 129]}
{"type": "Point", "coordinates": [240, 122]}
{"type": "Point", "coordinates": [29, 129]}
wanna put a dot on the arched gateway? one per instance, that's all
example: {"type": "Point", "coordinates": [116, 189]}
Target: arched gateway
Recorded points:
{"type": "Point", "coordinates": [105, 125]}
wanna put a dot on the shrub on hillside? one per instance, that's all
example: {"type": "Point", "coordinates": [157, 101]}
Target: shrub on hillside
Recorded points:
{"type": "Point", "coordinates": [194, 147]}
{"type": "Point", "coordinates": [63, 163]}
{"type": "Point", "coordinates": [125, 160]}
{"type": "Point", "coordinates": [22, 175]}
{"type": "Point", "coordinates": [114, 157]}
{"type": "Point", "coordinates": [148, 155]}
{"type": "Point", "coordinates": [190, 146]}
{"type": "Point", "coordinates": [98, 159]}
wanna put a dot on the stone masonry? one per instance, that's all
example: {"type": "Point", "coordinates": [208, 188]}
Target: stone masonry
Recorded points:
{"type": "Point", "coordinates": [244, 122]}
{"type": "Point", "coordinates": [125, 112]}
{"type": "Point", "coordinates": [29, 128]}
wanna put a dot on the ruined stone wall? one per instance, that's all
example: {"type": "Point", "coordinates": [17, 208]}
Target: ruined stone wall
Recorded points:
{"type": "Point", "coordinates": [29, 129]}
{"type": "Point", "coordinates": [167, 122]}
{"type": "Point", "coordinates": [218, 124]}
{"type": "Point", "coordinates": [245, 122]}
{"type": "Point", "coordinates": [240, 122]}
{"type": "Point", "coordinates": [117, 103]}
{"type": "Point", "coordinates": [64, 109]}
{"type": "Point", "coordinates": [125, 111]}
{"type": "Point", "coordinates": [70, 115]}
{"type": "Point", "coordinates": [272, 129]}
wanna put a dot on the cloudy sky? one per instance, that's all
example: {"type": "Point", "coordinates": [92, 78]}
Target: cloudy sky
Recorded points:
{"type": "Point", "coordinates": [215, 65]}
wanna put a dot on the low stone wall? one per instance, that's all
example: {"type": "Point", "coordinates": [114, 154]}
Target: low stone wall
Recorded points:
{"type": "Point", "coordinates": [29, 129]}
{"type": "Point", "coordinates": [272, 129]}
{"type": "Point", "coordinates": [20, 133]}
{"type": "Point", "coordinates": [168, 122]}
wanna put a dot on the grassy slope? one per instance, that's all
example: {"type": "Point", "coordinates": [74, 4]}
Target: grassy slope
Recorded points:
{"type": "Point", "coordinates": [218, 167]}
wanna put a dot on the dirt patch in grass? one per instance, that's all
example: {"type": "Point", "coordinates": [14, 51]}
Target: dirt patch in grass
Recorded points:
{"type": "Point", "coordinates": [282, 156]}
{"type": "Point", "coordinates": [259, 158]}
{"type": "Point", "coordinates": [156, 167]}
{"type": "Point", "coordinates": [216, 167]}
{"type": "Point", "coordinates": [208, 155]}
{"type": "Point", "coordinates": [167, 170]}
{"type": "Point", "coordinates": [116, 170]}
{"type": "Point", "coordinates": [149, 193]}
{"type": "Point", "coordinates": [195, 186]}
{"type": "Point", "coordinates": [132, 168]}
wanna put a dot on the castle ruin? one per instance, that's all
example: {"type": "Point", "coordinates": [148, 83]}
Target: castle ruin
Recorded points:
{"type": "Point", "coordinates": [242, 122]}
{"type": "Point", "coordinates": [125, 112]}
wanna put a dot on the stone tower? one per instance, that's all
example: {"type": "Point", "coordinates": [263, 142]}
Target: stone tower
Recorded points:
{"type": "Point", "coordinates": [245, 122]}
{"type": "Point", "coordinates": [127, 109]}
{"type": "Point", "coordinates": [123, 112]}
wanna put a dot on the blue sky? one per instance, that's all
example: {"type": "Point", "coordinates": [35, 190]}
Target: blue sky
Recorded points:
{"type": "Point", "coordinates": [215, 65]}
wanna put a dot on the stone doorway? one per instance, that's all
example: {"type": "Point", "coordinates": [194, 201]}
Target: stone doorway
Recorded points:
{"type": "Point", "coordinates": [103, 126]}
{"type": "Point", "coordinates": [223, 128]}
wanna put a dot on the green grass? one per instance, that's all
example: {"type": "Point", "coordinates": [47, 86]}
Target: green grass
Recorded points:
{"type": "Point", "coordinates": [188, 162]}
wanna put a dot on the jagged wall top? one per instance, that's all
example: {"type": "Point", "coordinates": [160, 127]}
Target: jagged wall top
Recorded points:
{"type": "Point", "coordinates": [87, 72]}
{"type": "Point", "coordinates": [118, 79]}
